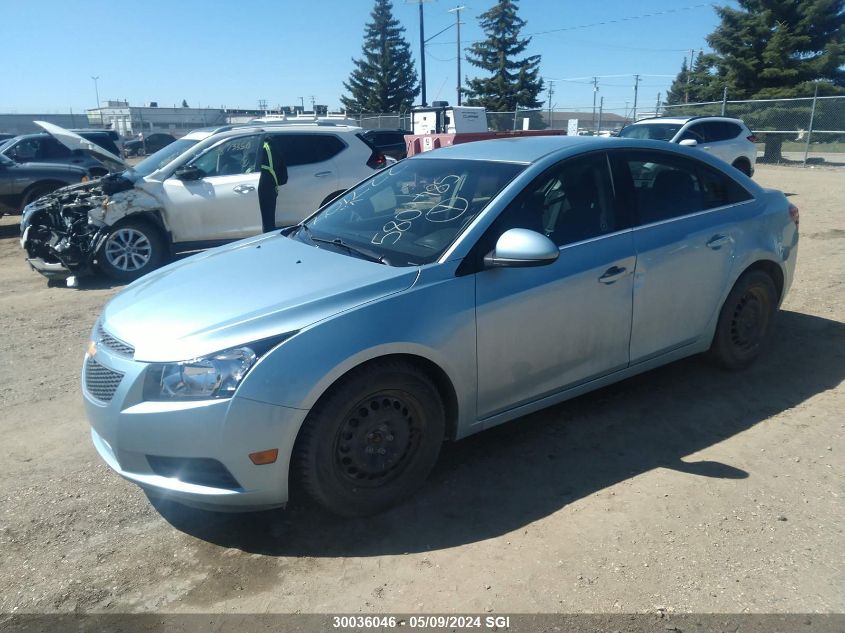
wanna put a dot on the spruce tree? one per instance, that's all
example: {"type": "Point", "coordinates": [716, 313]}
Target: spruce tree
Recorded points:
{"type": "Point", "coordinates": [384, 78]}
{"type": "Point", "coordinates": [695, 85]}
{"type": "Point", "coordinates": [780, 48]}
{"type": "Point", "coordinates": [512, 82]}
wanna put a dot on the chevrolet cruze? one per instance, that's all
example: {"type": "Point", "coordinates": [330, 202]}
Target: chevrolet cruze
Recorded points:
{"type": "Point", "coordinates": [447, 294]}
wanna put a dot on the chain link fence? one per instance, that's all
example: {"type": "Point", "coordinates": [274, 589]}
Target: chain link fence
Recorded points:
{"type": "Point", "coordinates": [807, 131]}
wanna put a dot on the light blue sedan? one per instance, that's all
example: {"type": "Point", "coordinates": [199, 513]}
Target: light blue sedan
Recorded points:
{"type": "Point", "coordinates": [450, 293]}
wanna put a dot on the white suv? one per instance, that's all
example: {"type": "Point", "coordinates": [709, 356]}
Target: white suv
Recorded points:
{"type": "Point", "coordinates": [728, 139]}
{"type": "Point", "coordinates": [198, 192]}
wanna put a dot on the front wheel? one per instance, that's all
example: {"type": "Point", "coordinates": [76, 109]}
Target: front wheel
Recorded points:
{"type": "Point", "coordinates": [744, 321]}
{"type": "Point", "coordinates": [132, 249]}
{"type": "Point", "coordinates": [371, 440]}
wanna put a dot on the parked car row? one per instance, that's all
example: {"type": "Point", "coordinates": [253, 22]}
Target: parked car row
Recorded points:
{"type": "Point", "coordinates": [197, 192]}
{"type": "Point", "coordinates": [449, 293]}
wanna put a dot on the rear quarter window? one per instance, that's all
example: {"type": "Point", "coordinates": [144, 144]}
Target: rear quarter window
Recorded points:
{"type": "Point", "coordinates": [305, 149]}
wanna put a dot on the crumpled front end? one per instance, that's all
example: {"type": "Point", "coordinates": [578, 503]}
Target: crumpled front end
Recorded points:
{"type": "Point", "coordinates": [60, 237]}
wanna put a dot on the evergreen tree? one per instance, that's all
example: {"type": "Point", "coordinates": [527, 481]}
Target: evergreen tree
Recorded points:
{"type": "Point", "coordinates": [779, 48]}
{"type": "Point", "coordinates": [512, 82]}
{"type": "Point", "coordinates": [697, 84]}
{"type": "Point", "coordinates": [384, 78]}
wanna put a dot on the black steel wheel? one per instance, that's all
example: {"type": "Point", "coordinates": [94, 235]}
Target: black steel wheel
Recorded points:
{"type": "Point", "coordinates": [371, 440]}
{"type": "Point", "coordinates": [745, 321]}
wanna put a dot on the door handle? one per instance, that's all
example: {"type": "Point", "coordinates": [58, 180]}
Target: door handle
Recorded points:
{"type": "Point", "coordinates": [243, 189]}
{"type": "Point", "coordinates": [612, 274]}
{"type": "Point", "coordinates": [718, 241]}
{"type": "Point", "coordinates": [322, 174]}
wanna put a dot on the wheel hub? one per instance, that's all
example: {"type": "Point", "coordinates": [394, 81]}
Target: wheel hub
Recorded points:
{"type": "Point", "coordinates": [376, 440]}
{"type": "Point", "coordinates": [128, 250]}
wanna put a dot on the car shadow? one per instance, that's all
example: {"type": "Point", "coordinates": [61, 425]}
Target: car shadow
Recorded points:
{"type": "Point", "coordinates": [10, 230]}
{"type": "Point", "coordinates": [505, 478]}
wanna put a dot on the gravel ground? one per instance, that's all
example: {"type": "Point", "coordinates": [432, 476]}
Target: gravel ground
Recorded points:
{"type": "Point", "coordinates": [686, 489]}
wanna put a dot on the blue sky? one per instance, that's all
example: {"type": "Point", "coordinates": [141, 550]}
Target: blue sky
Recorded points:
{"type": "Point", "coordinates": [215, 53]}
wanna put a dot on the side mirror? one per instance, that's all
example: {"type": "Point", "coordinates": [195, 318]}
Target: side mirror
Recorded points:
{"type": "Point", "coordinates": [189, 172]}
{"type": "Point", "coordinates": [522, 248]}
{"type": "Point", "coordinates": [688, 142]}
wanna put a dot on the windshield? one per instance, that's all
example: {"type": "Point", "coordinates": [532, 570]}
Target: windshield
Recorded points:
{"type": "Point", "coordinates": [410, 213]}
{"type": "Point", "coordinates": [652, 131]}
{"type": "Point", "coordinates": [156, 161]}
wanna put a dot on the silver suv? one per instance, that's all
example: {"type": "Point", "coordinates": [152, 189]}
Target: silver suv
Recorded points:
{"type": "Point", "coordinates": [728, 139]}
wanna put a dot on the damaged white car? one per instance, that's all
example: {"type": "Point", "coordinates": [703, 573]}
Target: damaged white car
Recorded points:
{"type": "Point", "coordinates": [196, 193]}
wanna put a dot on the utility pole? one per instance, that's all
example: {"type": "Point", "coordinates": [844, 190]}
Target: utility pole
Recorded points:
{"type": "Point", "coordinates": [97, 93]}
{"type": "Point", "coordinates": [636, 90]}
{"type": "Point", "coordinates": [457, 12]}
{"type": "Point", "coordinates": [551, 92]}
{"type": "Point", "coordinates": [601, 110]}
{"type": "Point", "coordinates": [657, 106]}
{"type": "Point", "coordinates": [313, 101]}
{"type": "Point", "coordinates": [595, 91]}
{"type": "Point", "coordinates": [302, 104]}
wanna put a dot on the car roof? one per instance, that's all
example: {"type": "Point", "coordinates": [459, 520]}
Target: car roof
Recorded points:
{"type": "Point", "coordinates": [685, 119]}
{"type": "Point", "coordinates": [527, 150]}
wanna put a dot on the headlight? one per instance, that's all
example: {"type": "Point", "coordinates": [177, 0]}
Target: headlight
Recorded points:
{"type": "Point", "coordinates": [214, 376]}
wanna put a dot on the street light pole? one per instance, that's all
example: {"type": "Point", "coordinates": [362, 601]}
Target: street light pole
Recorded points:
{"type": "Point", "coordinates": [422, 48]}
{"type": "Point", "coordinates": [457, 11]}
{"type": "Point", "coordinates": [97, 93]}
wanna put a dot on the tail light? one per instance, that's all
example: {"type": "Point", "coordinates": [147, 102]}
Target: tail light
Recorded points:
{"type": "Point", "coordinates": [377, 160]}
{"type": "Point", "coordinates": [794, 214]}
{"type": "Point", "coordinates": [753, 139]}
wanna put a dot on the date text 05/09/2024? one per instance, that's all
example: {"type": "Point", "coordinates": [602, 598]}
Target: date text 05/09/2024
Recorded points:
{"type": "Point", "coordinates": [488, 622]}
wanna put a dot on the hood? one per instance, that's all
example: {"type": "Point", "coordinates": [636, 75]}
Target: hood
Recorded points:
{"type": "Point", "coordinates": [54, 167]}
{"type": "Point", "coordinates": [247, 291]}
{"type": "Point", "coordinates": [73, 141]}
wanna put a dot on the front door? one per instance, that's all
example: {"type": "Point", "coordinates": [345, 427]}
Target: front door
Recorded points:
{"type": "Point", "coordinates": [540, 330]}
{"type": "Point", "coordinates": [223, 204]}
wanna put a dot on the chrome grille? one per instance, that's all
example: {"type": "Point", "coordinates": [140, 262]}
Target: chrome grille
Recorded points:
{"type": "Point", "coordinates": [118, 347]}
{"type": "Point", "coordinates": [100, 381]}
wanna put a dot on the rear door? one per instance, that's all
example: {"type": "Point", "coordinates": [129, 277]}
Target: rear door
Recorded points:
{"type": "Point", "coordinates": [684, 239]}
{"type": "Point", "coordinates": [223, 205]}
{"type": "Point", "coordinates": [312, 174]}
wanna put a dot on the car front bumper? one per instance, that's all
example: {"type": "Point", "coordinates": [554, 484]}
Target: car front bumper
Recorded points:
{"type": "Point", "coordinates": [158, 445]}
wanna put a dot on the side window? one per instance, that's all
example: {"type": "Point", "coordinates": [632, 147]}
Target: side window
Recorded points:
{"type": "Point", "coordinates": [25, 151]}
{"type": "Point", "coordinates": [232, 157]}
{"type": "Point", "coordinates": [51, 148]}
{"type": "Point", "coordinates": [729, 131]}
{"type": "Point", "coordinates": [694, 132]}
{"type": "Point", "coordinates": [720, 189]}
{"type": "Point", "coordinates": [571, 202]}
{"type": "Point", "coordinates": [667, 186]}
{"type": "Point", "coordinates": [305, 149]}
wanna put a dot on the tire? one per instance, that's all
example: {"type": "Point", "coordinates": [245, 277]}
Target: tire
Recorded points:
{"type": "Point", "coordinates": [371, 440]}
{"type": "Point", "coordinates": [744, 166]}
{"type": "Point", "coordinates": [36, 192]}
{"type": "Point", "coordinates": [132, 249]}
{"type": "Point", "coordinates": [745, 321]}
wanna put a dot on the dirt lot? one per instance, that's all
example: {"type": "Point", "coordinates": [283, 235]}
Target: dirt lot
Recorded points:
{"type": "Point", "coordinates": [685, 489]}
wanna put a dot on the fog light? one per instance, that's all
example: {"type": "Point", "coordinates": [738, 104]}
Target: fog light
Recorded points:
{"type": "Point", "coordinates": [264, 457]}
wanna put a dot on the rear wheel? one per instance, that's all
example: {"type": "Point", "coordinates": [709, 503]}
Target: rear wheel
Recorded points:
{"type": "Point", "coordinates": [745, 321]}
{"type": "Point", "coordinates": [744, 166]}
{"type": "Point", "coordinates": [132, 249]}
{"type": "Point", "coordinates": [371, 440]}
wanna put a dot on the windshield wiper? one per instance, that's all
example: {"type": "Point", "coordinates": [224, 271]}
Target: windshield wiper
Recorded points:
{"type": "Point", "coordinates": [357, 250]}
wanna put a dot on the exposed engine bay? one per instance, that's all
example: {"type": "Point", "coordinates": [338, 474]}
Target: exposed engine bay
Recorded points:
{"type": "Point", "coordinates": [63, 231]}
